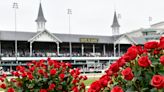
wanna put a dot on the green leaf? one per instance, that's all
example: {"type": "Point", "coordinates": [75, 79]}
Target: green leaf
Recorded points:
{"type": "Point", "coordinates": [154, 90]}
{"type": "Point", "coordinates": [161, 72]}
{"type": "Point", "coordinates": [145, 89]}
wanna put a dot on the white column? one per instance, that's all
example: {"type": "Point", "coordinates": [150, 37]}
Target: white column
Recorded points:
{"type": "Point", "coordinates": [93, 49]}
{"type": "Point", "coordinates": [30, 48]}
{"type": "Point", "coordinates": [114, 49]}
{"type": "Point", "coordinates": [104, 49]}
{"type": "Point", "coordinates": [0, 54]}
{"type": "Point", "coordinates": [58, 48]}
{"type": "Point", "coordinates": [119, 50]}
{"type": "Point", "coordinates": [0, 48]}
{"type": "Point", "coordinates": [82, 49]}
{"type": "Point", "coordinates": [70, 49]}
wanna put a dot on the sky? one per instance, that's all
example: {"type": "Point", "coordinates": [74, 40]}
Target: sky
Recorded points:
{"type": "Point", "coordinates": [91, 17]}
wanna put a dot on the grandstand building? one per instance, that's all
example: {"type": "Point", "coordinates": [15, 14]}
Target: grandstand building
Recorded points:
{"type": "Point", "coordinates": [88, 52]}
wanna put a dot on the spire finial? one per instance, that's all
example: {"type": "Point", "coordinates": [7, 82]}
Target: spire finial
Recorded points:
{"type": "Point", "coordinates": [115, 25]}
{"type": "Point", "coordinates": [40, 19]}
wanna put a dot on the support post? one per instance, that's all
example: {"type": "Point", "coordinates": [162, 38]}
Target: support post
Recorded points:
{"type": "Point", "coordinates": [70, 49]}
{"type": "Point", "coordinates": [0, 49]}
{"type": "Point", "coordinates": [93, 49]}
{"type": "Point", "coordinates": [82, 49]}
{"type": "Point", "coordinates": [119, 50]}
{"type": "Point", "coordinates": [104, 49]}
{"type": "Point", "coordinates": [58, 49]}
{"type": "Point", "coordinates": [30, 49]}
{"type": "Point", "coordinates": [114, 48]}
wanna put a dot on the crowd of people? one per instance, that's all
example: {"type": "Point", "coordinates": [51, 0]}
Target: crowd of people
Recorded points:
{"type": "Point", "coordinates": [26, 53]}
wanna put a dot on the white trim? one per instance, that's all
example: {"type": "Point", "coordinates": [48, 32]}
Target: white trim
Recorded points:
{"type": "Point", "coordinates": [125, 35]}
{"type": "Point", "coordinates": [34, 37]}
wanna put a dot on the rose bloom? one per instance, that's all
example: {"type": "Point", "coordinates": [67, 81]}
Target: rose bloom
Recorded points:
{"type": "Point", "coordinates": [161, 44]}
{"type": "Point", "coordinates": [140, 50]}
{"type": "Point", "coordinates": [117, 89]}
{"type": "Point", "coordinates": [52, 71]}
{"type": "Point", "coordinates": [144, 61]}
{"type": "Point", "coordinates": [132, 52]}
{"type": "Point", "coordinates": [75, 89]}
{"type": "Point", "coordinates": [162, 60]}
{"type": "Point", "coordinates": [127, 73]}
{"type": "Point", "coordinates": [51, 86]}
{"type": "Point", "coordinates": [158, 81]}
{"type": "Point", "coordinates": [3, 86]}
{"type": "Point", "coordinates": [114, 67]}
{"type": "Point", "coordinates": [43, 90]}
{"type": "Point", "coordinates": [62, 76]}
{"type": "Point", "coordinates": [95, 87]}
{"type": "Point", "coordinates": [11, 90]}
{"type": "Point", "coordinates": [151, 45]}
{"type": "Point", "coordinates": [104, 80]}
{"type": "Point", "coordinates": [40, 71]}
{"type": "Point", "coordinates": [121, 62]}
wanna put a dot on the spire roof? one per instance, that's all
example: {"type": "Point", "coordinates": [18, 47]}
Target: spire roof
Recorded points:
{"type": "Point", "coordinates": [115, 21]}
{"type": "Point", "coordinates": [40, 17]}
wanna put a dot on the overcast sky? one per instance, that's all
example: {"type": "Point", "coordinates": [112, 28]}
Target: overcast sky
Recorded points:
{"type": "Point", "coordinates": [93, 17]}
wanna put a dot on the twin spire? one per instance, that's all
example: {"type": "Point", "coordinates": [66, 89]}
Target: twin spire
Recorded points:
{"type": "Point", "coordinates": [40, 20]}
{"type": "Point", "coordinates": [115, 26]}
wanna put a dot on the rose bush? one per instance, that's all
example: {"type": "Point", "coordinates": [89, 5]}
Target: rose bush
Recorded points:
{"type": "Point", "coordinates": [44, 76]}
{"type": "Point", "coordinates": [140, 69]}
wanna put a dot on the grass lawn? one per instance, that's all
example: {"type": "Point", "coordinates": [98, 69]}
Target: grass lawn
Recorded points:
{"type": "Point", "coordinates": [89, 81]}
{"type": "Point", "coordinates": [1, 89]}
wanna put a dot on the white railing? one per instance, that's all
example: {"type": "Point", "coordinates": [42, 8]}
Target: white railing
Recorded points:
{"type": "Point", "coordinates": [57, 58]}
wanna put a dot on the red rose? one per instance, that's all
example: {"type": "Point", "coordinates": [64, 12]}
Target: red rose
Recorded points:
{"type": "Point", "coordinates": [151, 45]}
{"type": "Point", "coordinates": [126, 57]}
{"type": "Point", "coordinates": [30, 76]}
{"type": "Point", "coordinates": [82, 85]}
{"type": "Point", "coordinates": [19, 84]}
{"type": "Point", "coordinates": [117, 89]}
{"type": "Point", "coordinates": [121, 62]}
{"type": "Point", "coordinates": [161, 44]}
{"type": "Point", "coordinates": [11, 90]}
{"type": "Point", "coordinates": [24, 75]}
{"type": "Point", "coordinates": [43, 90]}
{"type": "Point", "coordinates": [3, 86]}
{"type": "Point", "coordinates": [109, 72]}
{"type": "Point", "coordinates": [1, 79]}
{"type": "Point", "coordinates": [69, 65]}
{"type": "Point", "coordinates": [127, 73]}
{"type": "Point", "coordinates": [52, 71]}
{"type": "Point", "coordinates": [140, 50]}
{"type": "Point", "coordinates": [51, 86]}
{"type": "Point", "coordinates": [162, 60]}
{"type": "Point", "coordinates": [74, 81]}
{"type": "Point", "coordinates": [104, 80]}
{"type": "Point", "coordinates": [95, 87]}
{"type": "Point", "coordinates": [157, 81]}
{"type": "Point", "coordinates": [144, 61]}
{"type": "Point", "coordinates": [40, 71]}
{"type": "Point", "coordinates": [32, 68]}
{"type": "Point", "coordinates": [132, 52]}
{"type": "Point", "coordinates": [155, 52]}
{"type": "Point", "coordinates": [75, 89]}
{"type": "Point", "coordinates": [85, 77]}
{"type": "Point", "coordinates": [50, 62]}
{"type": "Point", "coordinates": [114, 67]}
{"type": "Point", "coordinates": [62, 76]}
{"type": "Point", "coordinates": [4, 75]}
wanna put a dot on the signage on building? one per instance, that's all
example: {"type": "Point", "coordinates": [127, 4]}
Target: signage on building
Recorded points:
{"type": "Point", "coordinates": [89, 40]}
